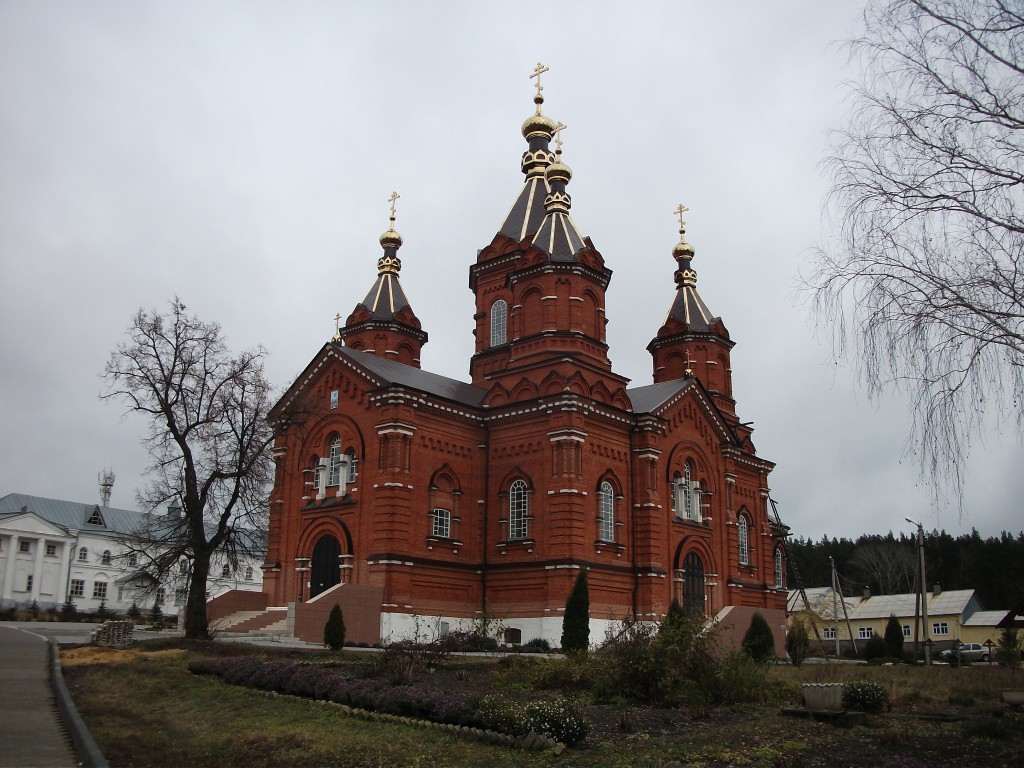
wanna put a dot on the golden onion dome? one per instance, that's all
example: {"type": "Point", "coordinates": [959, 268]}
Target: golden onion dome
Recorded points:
{"type": "Point", "coordinates": [683, 250]}
{"type": "Point", "coordinates": [538, 123]}
{"type": "Point", "coordinates": [391, 239]}
{"type": "Point", "coordinates": [558, 171]}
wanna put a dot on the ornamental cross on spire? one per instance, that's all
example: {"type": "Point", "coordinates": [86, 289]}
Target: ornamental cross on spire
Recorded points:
{"type": "Point", "coordinates": [680, 210]}
{"type": "Point", "coordinates": [558, 136]}
{"type": "Point", "coordinates": [392, 199]}
{"type": "Point", "coordinates": [337, 327]}
{"type": "Point", "coordinates": [537, 72]}
{"type": "Point", "coordinates": [689, 362]}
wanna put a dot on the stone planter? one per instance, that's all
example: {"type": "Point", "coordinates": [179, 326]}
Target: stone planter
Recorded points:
{"type": "Point", "coordinates": [823, 697]}
{"type": "Point", "coordinates": [1013, 697]}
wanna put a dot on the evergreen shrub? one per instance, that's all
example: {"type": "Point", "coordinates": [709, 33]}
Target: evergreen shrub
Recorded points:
{"type": "Point", "coordinates": [759, 641]}
{"type": "Point", "coordinates": [894, 637]}
{"type": "Point", "coordinates": [334, 629]}
{"type": "Point", "coordinates": [865, 696]}
{"type": "Point", "coordinates": [798, 642]}
{"type": "Point", "coordinates": [576, 622]}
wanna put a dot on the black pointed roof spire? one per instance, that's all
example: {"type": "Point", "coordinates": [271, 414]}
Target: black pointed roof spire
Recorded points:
{"type": "Point", "coordinates": [558, 235]}
{"type": "Point", "coordinates": [528, 210]}
{"type": "Point", "coordinates": [386, 296]}
{"type": "Point", "coordinates": [688, 307]}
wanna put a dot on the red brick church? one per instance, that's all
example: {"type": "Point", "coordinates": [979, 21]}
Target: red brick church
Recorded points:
{"type": "Point", "coordinates": [459, 500]}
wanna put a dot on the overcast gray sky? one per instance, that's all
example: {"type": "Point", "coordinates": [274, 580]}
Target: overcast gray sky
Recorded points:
{"type": "Point", "coordinates": [240, 155]}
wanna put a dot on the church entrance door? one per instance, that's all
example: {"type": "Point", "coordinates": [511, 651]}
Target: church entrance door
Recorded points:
{"type": "Point", "coordinates": [693, 584]}
{"type": "Point", "coordinates": [324, 572]}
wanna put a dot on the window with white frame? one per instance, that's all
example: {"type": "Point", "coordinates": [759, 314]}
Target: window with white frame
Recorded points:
{"type": "Point", "coordinates": [248, 573]}
{"type": "Point", "coordinates": [83, 555]}
{"type": "Point", "coordinates": [77, 588]}
{"type": "Point", "coordinates": [161, 595]}
{"type": "Point", "coordinates": [51, 550]}
{"type": "Point", "coordinates": [316, 473]}
{"type": "Point", "coordinates": [441, 523]}
{"type": "Point", "coordinates": [828, 633]}
{"type": "Point", "coordinates": [28, 583]}
{"type": "Point", "coordinates": [679, 496]}
{"type": "Point", "coordinates": [906, 630]}
{"type": "Point", "coordinates": [225, 571]}
{"type": "Point", "coordinates": [778, 567]}
{"type": "Point", "coordinates": [120, 593]}
{"type": "Point", "coordinates": [24, 546]}
{"type": "Point", "coordinates": [106, 557]}
{"type": "Point", "coordinates": [865, 633]}
{"type": "Point", "coordinates": [180, 595]}
{"type": "Point", "coordinates": [688, 490]}
{"type": "Point", "coordinates": [133, 560]}
{"type": "Point", "coordinates": [940, 628]}
{"type": "Point", "coordinates": [334, 470]}
{"type": "Point", "coordinates": [499, 322]}
{"type": "Point", "coordinates": [743, 540]}
{"type": "Point", "coordinates": [606, 512]}
{"type": "Point", "coordinates": [353, 473]}
{"type": "Point", "coordinates": [183, 567]}
{"type": "Point", "coordinates": [99, 590]}
{"type": "Point", "coordinates": [518, 510]}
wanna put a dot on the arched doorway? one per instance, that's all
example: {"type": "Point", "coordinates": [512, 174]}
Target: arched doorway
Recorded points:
{"type": "Point", "coordinates": [324, 572]}
{"type": "Point", "coordinates": [693, 584]}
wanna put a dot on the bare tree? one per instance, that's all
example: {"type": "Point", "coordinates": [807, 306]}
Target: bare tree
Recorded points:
{"type": "Point", "coordinates": [924, 284]}
{"type": "Point", "coordinates": [888, 564]}
{"type": "Point", "coordinates": [209, 444]}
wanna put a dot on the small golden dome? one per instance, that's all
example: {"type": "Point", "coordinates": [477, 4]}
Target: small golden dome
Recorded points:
{"type": "Point", "coordinates": [391, 239]}
{"type": "Point", "coordinates": [683, 250]}
{"type": "Point", "coordinates": [558, 171]}
{"type": "Point", "coordinates": [538, 123]}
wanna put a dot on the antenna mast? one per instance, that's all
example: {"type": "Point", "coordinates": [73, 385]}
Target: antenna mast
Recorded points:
{"type": "Point", "coordinates": [106, 480]}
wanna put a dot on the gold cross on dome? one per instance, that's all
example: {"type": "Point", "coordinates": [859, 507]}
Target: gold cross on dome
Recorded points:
{"type": "Point", "coordinates": [337, 327]}
{"type": "Point", "coordinates": [680, 211]}
{"type": "Point", "coordinates": [558, 136]}
{"type": "Point", "coordinates": [394, 196]}
{"type": "Point", "coordinates": [537, 72]}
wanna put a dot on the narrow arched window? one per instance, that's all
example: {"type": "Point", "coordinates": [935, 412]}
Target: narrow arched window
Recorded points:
{"type": "Point", "coordinates": [83, 554]}
{"type": "Point", "coordinates": [778, 567]}
{"type": "Point", "coordinates": [334, 470]}
{"type": "Point", "coordinates": [499, 322]}
{"type": "Point", "coordinates": [606, 512]}
{"type": "Point", "coordinates": [106, 557]}
{"type": "Point", "coordinates": [352, 461]}
{"type": "Point", "coordinates": [688, 490]}
{"type": "Point", "coordinates": [518, 511]}
{"type": "Point", "coordinates": [743, 540]}
{"type": "Point", "coordinates": [316, 475]}
{"type": "Point", "coordinates": [442, 523]}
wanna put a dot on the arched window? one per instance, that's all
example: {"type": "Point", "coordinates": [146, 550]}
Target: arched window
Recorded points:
{"type": "Point", "coordinates": [743, 540]}
{"type": "Point", "coordinates": [518, 510]}
{"type": "Point", "coordinates": [248, 573]}
{"type": "Point", "coordinates": [316, 475]}
{"type": "Point", "coordinates": [183, 567]}
{"type": "Point", "coordinates": [693, 584]}
{"type": "Point", "coordinates": [499, 322]}
{"type": "Point", "coordinates": [225, 571]}
{"type": "Point", "coordinates": [106, 557]}
{"type": "Point", "coordinates": [778, 567]}
{"type": "Point", "coordinates": [352, 460]}
{"type": "Point", "coordinates": [441, 526]}
{"type": "Point", "coordinates": [334, 470]}
{"type": "Point", "coordinates": [606, 512]}
{"type": "Point", "coordinates": [687, 495]}
{"type": "Point", "coordinates": [83, 555]}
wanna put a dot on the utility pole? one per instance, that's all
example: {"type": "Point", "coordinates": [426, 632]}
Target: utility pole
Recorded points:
{"type": "Point", "coordinates": [835, 608]}
{"type": "Point", "coordinates": [923, 586]}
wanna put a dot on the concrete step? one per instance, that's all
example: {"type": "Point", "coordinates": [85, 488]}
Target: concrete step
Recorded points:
{"type": "Point", "coordinates": [248, 621]}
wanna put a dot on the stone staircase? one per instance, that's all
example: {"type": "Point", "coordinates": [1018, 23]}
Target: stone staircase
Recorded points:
{"type": "Point", "coordinates": [268, 623]}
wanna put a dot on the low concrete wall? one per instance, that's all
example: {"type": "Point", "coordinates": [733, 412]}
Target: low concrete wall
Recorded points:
{"type": "Point", "coordinates": [235, 600]}
{"type": "Point", "coordinates": [360, 606]}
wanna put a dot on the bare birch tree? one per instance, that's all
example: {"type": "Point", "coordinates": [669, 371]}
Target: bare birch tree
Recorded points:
{"type": "Point", "coordinates": [923, 285]}
{"type": "Point", "coordinates": [209, 444]}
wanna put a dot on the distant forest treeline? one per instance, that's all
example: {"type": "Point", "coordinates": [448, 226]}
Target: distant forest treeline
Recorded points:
{"type": "Point", "coordinates": [993, 567]}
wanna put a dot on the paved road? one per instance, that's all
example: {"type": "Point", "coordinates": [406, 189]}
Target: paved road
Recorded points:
{"type": "Point", "coordinates": [31, 731]}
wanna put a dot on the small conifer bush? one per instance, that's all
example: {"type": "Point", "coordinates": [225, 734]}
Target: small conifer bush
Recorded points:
{"type": "Point", "coordinates": [334, 629]}
{"type": "Point", "coordinates": [759, 642]}
{"type": "Point", "coordinates": [894, 637]}
{"type": "Point", "coordinates": [576, 623]}
{"type": "Point", "coordinates": [798, 642]}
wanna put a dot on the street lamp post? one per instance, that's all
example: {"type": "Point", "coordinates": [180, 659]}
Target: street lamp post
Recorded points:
{"type": "Point", "coordinates": [923, 587]}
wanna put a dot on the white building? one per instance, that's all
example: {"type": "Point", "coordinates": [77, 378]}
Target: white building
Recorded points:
{"type": "Point", "coordinates": [52, 550]}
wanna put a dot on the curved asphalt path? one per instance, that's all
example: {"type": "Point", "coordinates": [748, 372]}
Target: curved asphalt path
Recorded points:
{"type": "Point", "coordinates": [32, 732]}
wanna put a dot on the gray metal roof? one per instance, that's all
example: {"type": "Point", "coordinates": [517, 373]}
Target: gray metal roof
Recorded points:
{"type": "Point", "coordinates": [72, 514]}
{"type": "Point", "coordinates": [559, 237]}
{"type": "Point", "coordinates": [953, 602]}
{"type": "Point", "coordinates": [391, 372]}
{"type": "Point", "coordinates": [646, 399]}
{"type": "Point", "coordinates": [385, 297]}
{"type": "Point", "coordinates": [985, 618]}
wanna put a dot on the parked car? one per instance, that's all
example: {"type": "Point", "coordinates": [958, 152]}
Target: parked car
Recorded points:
{"type": "Point", "coordinates": [966, 652]}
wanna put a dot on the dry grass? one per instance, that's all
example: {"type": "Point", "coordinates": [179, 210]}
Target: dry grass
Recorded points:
{"type": "Point", "coordinates": [144, 709]}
